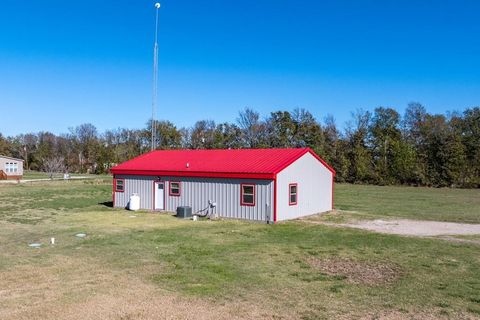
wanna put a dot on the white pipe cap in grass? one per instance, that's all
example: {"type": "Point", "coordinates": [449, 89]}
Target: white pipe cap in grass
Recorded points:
{"type": "Point", "coordinates": [80, 235]}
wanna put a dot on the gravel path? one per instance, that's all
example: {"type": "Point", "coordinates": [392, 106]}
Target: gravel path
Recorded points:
{"type": "Point", "coordinates": [416, 228]}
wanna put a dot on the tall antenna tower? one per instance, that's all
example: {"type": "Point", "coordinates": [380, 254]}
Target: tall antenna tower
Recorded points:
{"type": "Point", "coordinates": [155, 80]}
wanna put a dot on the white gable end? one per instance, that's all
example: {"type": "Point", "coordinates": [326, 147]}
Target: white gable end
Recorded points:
{"type": "Point", "coordinates": [314, 188]}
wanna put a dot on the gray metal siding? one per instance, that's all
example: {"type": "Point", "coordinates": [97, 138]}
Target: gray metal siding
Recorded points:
{"type": "Point", "coordinates": [135, 184]}
{"type": "Point", "coordinates": [196, 192]}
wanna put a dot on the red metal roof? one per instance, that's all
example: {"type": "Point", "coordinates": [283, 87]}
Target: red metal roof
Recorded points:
{"type": "Point", "coordinates": [232, 163]}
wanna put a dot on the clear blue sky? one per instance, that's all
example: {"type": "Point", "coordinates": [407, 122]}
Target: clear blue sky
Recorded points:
{"type": "Point", "coordinates": [63, 63]}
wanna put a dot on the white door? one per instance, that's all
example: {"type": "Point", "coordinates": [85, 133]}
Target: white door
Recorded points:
{"type": "Point", "coordinates": [159, 195]}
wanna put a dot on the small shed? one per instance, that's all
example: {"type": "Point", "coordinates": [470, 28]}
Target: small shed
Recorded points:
{"type": "Point", "coordinates": [10, 168]}
{"type": "Point", "coordinates": [255, 184]}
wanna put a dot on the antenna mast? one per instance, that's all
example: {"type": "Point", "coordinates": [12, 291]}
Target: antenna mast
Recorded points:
{"type": "Point", "coordinates": [155, 81]}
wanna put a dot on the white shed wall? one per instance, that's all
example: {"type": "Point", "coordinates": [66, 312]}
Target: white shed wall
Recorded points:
{"type": "Point", "coordinates": [314, 188]}
{"type": "Point", "coordinates": [196, 192]}
{"type": "Point", "coordinates": [3, 166]}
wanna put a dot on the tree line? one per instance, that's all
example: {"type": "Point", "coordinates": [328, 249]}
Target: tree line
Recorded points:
{"type": "Point", "coordinates": [375, 147]}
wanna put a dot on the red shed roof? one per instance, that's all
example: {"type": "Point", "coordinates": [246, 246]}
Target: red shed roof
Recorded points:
{"type": "Point", "coordinates": [232, 163]}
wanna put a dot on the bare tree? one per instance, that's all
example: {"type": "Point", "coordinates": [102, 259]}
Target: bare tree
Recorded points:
{"type": "Point", "coordinates": [253, 129]}
{"type": "Point", "coordinates": [54, 165]}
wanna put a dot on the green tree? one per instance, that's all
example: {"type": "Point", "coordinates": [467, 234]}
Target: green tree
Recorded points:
{"type": "Point", "coordinates": [85, 145]}
{"type": "Point", "coordinates": [445, 153]}
{"type": "Point", "coordinates": [403, 165]}
{"type": "Point", "coordinates": [308, 132]}
{"type": "Point", "coordinates": [227, 136]}
{"type": "Point", "coordinates": [4, 146]}
{"type": "Point", "coordinates": [469, 130]}
{"type": "Point", "coordinates": [384, 134]}
{"type": "Point", "coordinates": [281, 130]}
{"type": "Point", "coordinates": [413, 133]}
{"type": "Point", "coordinates": [203, 135]}
{"type": "Point", "coordinates": [45, 149]}
{"type": "Point", "coordinates": [336, 149]}
{"type": "Point", "coordinates": [167, 135]}
{"type": "Point", "coordinates": [341, 163]}
{"type": "Point", "coordinates": [357, 152]}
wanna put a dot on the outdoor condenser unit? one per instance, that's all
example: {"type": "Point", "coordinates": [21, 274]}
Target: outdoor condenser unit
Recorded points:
{"type": "Point", "coordinates": [184, 212]}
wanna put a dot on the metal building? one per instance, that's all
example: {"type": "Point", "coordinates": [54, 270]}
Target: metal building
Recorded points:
{"type": "Point", "coordinates": [256, 184]}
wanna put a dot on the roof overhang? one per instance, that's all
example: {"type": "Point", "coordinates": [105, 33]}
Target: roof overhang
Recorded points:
{"type": "Point", "coordinates": [196, 174]}
{"type": "Point", "coordinates": [11, 158]}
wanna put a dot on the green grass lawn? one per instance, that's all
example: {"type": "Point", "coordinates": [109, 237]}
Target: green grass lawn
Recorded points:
{"type": "Point", "coordinates": [278, 271]}
{"type": "Point", "coordinates": [29, 174]}
{"type": "Point", "coordinates": [34, 175]}
{"type": "Point", "coordinates": [440, 204]}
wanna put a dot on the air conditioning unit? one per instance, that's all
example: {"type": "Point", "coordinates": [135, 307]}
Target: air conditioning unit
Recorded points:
{"type": "Point", "coordinates": [184, 212]}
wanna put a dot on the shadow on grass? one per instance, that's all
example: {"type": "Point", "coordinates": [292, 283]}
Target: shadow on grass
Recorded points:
{"type": "Point", "coordinates": [108, 204]}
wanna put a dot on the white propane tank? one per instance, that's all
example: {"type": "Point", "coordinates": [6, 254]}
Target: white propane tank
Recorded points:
{"type": "Point", "coordinates": [134, 203]}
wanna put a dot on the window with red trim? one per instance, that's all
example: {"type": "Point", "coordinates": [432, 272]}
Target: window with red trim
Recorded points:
{"type": "Point", "coordinates": [119, 185]}
{"type": "Point", "coordinates": [175, 188]}
{"type": "Point", "coordinates": [292, 194]}
{"type": "Point", "coordinates": [247, 194]}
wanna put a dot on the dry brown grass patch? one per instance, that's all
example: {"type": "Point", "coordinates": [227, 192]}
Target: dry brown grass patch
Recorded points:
{"type": "Point", "coordinates": [83, 288]}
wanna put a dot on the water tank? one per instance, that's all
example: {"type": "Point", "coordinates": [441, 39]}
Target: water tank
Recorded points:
{"type": "Point", "coordinates": [134, 203]}
{"type": "Point", "coordinates": [184, 212]}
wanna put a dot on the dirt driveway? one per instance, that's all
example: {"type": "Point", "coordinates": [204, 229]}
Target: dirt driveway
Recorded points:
{"type": "Point", "coordinates": [416, 228]}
